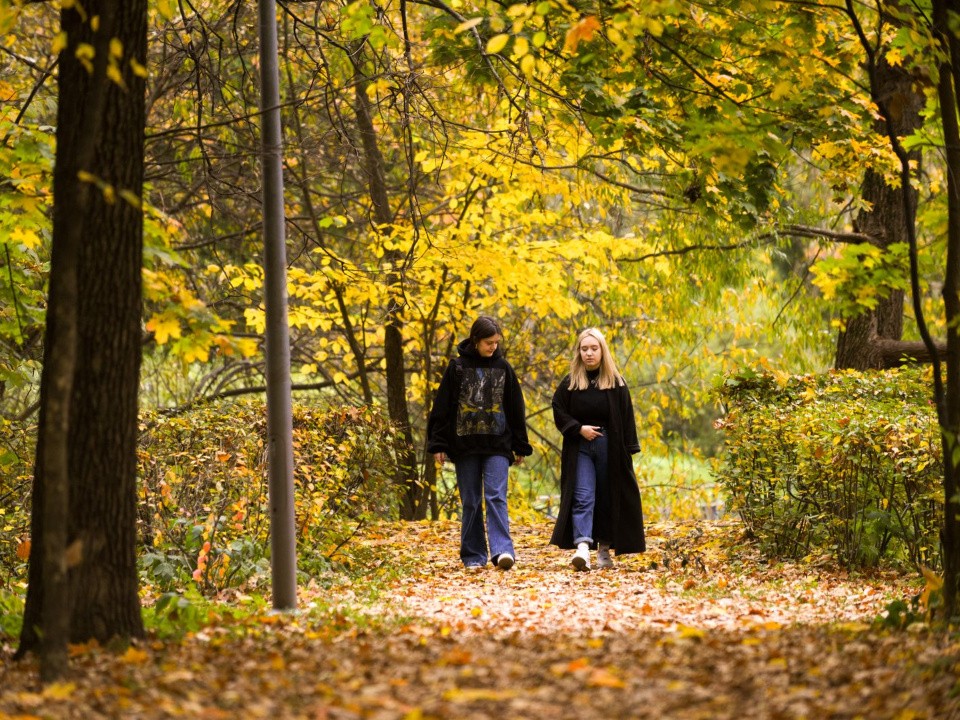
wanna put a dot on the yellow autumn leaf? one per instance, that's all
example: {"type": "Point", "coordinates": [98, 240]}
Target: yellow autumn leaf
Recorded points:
{"type": "Point", "coordinates": [163, 328]}
{"type": "Point", "coordinates": [167, 8]}
{"type": "Point", "coordinates": [85, 53]}
{"type": "Point", "coordinates": [654, 27]}
{"type": "Point", "coordinates": [933, 585]}
{"type": "Point", "coordinates": [781, 90]}
{"type": "Point", "coordinates": [195, 352]}
{"type": "Point", "coordinates": [27, 238]}
{"type": "Point", "coordinates": [246, 346]}
{"type": "Point", "coordinates": [138, 69]}
{"type": "Point", "coordinates": [134, 656]}
{"type": "Point", "coordinates": [113, 72]}
{"type": "Point", "coordinates": [497, 43]}
{"type": "Point", "coordinates": [59, 43]}
{"type": "Point", "coordinates": [521, 46]}
{"type": "Point", "coordinates": [467, 25]}
{"type": "Point", "coordinates": [59, 690]}
{"type": "Point", "coordinates": [688, 632]}
{"type": "Point", "coordinates": [527, 65]}
{"type": "Point", "coordinates": [131, 198]}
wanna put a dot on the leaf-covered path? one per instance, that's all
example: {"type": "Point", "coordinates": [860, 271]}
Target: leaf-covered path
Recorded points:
{"type": "Point", "coordinates": [706, 634]}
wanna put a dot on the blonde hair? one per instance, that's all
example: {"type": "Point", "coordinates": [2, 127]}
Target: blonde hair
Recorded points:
{"type": "Point", "coordinates": [609, 375]}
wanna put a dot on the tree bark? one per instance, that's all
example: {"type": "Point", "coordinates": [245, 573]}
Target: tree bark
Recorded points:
{"type": "Point", "coordinates": [414, 503]}
{"type": "Point", "coordinates": [949, 404]}
{"type": "Point", "coordinates": [867, 342]}
{"type": "Point", "coordinates": [100, 132]}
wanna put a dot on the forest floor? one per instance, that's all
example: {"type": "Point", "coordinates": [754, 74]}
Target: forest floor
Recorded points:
{"type": "Point", "coordinates": [698, 627]}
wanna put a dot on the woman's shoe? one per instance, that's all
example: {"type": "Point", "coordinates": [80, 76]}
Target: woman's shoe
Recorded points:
{"type": "Point", "coordinates": [581, 558]}
{"type": "Point", "coordinates": [604, 559]}
{"type": "Point", "coordinates": [505, 561]}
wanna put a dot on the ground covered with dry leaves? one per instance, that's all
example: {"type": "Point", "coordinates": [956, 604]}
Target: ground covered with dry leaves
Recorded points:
{"type": "Point", "coordinates": [698, 627]}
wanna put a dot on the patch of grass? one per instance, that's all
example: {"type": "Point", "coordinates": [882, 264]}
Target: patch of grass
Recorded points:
{"type": "Point", "coordinates": [11, 611]}
{"type": "Point", "coordinates": [678, 487]}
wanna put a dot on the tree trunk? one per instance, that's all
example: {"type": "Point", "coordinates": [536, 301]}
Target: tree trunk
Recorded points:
{"type": "Point", "coordinates": [100, 132]}
{"type": "Point", "coordinates": [949, 403]}
{"type": "Point", "coordinates": [414, 503]}
{"type": "Point", "coordinates": [865, 343]}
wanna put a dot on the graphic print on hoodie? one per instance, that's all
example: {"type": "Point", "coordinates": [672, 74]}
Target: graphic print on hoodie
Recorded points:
{"type": "Point", "coordinates": [480, 410]}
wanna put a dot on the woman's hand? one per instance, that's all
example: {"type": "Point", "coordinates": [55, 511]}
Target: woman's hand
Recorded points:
{"type": "Point", "coordinates": [440, 457]}
{"type": "Point", "coordinates": [590, 432]}
{"type": "Point", "coordinates": [517, 459]}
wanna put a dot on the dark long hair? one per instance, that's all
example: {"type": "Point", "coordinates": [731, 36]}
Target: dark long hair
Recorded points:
{"type": "Point", "coordinates": [484, 327]}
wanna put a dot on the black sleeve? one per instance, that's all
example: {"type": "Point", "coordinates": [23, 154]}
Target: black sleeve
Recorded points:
{"type": "Point", "coordinates": [630, 440]}
{"type": "Point", "coordinates": [565, 422]}
{"type": "Point", "coordinates": [440, 424]}
{"type": "Point", "coordinates": [516, 412]}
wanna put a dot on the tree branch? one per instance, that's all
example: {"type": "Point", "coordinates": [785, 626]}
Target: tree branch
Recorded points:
{"type": "Point", "coordinates": [766, 238]}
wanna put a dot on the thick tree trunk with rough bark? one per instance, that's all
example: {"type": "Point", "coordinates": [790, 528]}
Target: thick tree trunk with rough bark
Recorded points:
{"type": "Point", "coordinates": [870, 340]}
{"type": "Point", "coordinates": [101, 133]}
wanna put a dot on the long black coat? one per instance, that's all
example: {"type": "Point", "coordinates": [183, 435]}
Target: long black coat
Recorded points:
{"type": "Point", "coordinates": [626, 511]}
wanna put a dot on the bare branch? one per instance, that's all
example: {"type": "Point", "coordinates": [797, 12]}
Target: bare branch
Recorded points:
{"type": "Point", "coordinates": [693, 248]}
{"type": "Point", "coordinates": [852, 238]}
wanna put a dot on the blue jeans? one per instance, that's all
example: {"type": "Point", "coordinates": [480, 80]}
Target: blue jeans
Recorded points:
{"type": "Point", "coordinates": [589, 490]}
{"type": "Point", "coordinates": [479, 478]}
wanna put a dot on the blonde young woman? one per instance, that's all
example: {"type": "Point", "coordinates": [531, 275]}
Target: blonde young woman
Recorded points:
{"type": "Point", "coordinates": [599, 497]}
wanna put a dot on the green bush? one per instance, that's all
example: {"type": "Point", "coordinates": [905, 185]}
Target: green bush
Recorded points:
{"type": "Point", "coordinates": [203, 508]}
{"type": "Point", "coordinates": [11, 612]}
{"type": "Point", "coordinates": [846, 464]}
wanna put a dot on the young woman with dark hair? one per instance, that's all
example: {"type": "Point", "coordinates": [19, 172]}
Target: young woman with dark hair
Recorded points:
{"type": "Point", "coordinates": [478, 421]}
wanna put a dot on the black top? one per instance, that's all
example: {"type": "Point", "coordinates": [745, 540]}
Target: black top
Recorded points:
{"type": "Point", "coordinates": [590, 406]}
{"type": "Point", "coordinates": [479, 408]}
{"type": "Point", "coordinates": [622, 525]}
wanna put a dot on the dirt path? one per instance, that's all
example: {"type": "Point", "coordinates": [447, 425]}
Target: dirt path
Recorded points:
{"type": "Point", "coordinates": [542, 594]}
{"type": "Point", "coordinates": [723, 637]}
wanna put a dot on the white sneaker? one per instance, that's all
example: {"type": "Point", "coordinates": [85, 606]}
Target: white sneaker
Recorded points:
{"type": "Point", "coordinates": [604, 559]}
{"type": "Point", "coordinates": [505, 561]}
{"type": "Point", "coordinates": [581, 558]}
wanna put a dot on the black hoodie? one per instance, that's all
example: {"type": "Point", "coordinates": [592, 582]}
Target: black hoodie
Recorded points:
{"type": "Point", "coordinates": [478, 408]}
